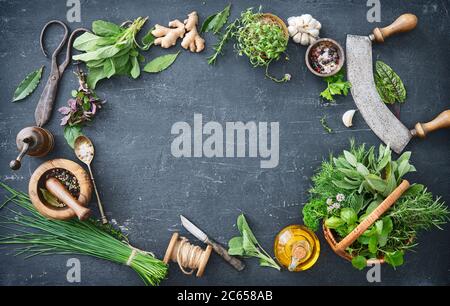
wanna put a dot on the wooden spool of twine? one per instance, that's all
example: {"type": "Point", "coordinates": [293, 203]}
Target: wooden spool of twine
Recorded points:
{"type": "Point", "coordinates": [188, 256]}
{"type": "Point", "coordinates": [340, 248]}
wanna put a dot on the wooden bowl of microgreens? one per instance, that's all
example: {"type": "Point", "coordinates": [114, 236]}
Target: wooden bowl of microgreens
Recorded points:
{"type": "Point", "coordinates": [74, 178]}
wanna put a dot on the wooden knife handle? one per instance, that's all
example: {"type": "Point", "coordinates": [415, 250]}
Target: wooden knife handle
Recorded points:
{"type": "Point", "coordinates": [440, 122]}
{"type": "Point", "coordinates": [404, 23]}
{"type": "Point", "coordinates": [58, 190]}
{"type": "Point", "coordinates": [233, 261]}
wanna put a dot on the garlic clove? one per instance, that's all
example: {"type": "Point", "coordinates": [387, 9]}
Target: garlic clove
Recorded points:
{"type": "Point", "coordinates": [314, 32]}
{"type": "Point", "coordinates": [291, 21]}
{"type": "Point", "coordinates": [307, 18]}
{"type": "Point", "coordinates": [347, 117]}
{"type": "Point", "coordinates": [304, 39]}
{"type": "Point", "coordinates": [292, 30]}
{"type": "Point", "coordinates": [297, 37]}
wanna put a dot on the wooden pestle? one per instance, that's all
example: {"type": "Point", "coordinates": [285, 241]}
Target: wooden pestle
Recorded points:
{"type": "Point", "coordinates": [58, 190]}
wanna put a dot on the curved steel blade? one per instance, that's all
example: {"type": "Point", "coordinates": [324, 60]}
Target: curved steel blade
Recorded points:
{"type": "Point", "coordinates": [376, 114]}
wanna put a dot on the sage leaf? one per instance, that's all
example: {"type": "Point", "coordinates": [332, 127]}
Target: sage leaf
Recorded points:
{"type": "Point", "coordinates": [161, 63]}
{"type": "Point", "coordinates": [28, 85]}
{"type": "Point", "coordinates": [214, 23]}
{"type": "Point", "coordinates": [350, 158]}
{"type": "Point", "coordinates": [71, 132]}
{"type": "Point", "coordinates": [105, 28]}
{"type": "Point", "coordinates": [389, 85]}
{"type": "Point", "coordinates": [376, 182]}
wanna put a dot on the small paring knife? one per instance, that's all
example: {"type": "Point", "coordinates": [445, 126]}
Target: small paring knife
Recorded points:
{"type": "Point", "coordinates": [199, 234]}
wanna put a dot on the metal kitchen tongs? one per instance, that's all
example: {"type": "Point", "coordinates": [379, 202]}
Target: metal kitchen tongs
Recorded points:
{"type": "Point", "coordinates": [48, 96]}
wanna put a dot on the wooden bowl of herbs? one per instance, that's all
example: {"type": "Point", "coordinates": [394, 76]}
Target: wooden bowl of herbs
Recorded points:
{"type": "Point", "coordinates": [74, 179]}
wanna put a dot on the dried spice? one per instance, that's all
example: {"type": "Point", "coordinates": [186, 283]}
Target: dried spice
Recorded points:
{"type": "Point", "coordinates": [66, 178]}
{"type": "Point", "coordinates": [324, 58]}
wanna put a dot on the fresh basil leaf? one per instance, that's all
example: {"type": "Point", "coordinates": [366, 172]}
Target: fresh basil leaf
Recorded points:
{"type": "Point", "coordinates": [334, 222]}
{"type": "Point", "coordinates": [28, 85]}
{"type": "Point", "coordinates": [105, 28]}
{"type": "Point", "coordinates": [161, 63]}
{"type": "Point", "coordinates": [373, 243]}
{"type": "Point", "coordinates": [359, 262]}
{"type": "Point", "coordinates": [71, 132]}
{"type": "Point", "coordinates": [348, 215]}
{"type": "Point", "coordinates": [395, 259]}
{"type": "Point", "coordinates": [135, 69]}
{"type": "Point", "coordinates": [214, 23]}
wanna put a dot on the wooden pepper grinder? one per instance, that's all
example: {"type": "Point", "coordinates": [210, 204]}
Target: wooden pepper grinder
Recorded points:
{"type": "Point", "coordinates": [32, 141]}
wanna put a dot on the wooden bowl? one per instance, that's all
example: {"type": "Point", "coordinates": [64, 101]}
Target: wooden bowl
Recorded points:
{"type": "Point", "coordinates": [340, 53]}
{"type": "Point", "coordinates": [36, 182]}
{"type": "Point", "coordinates": [271, 18]}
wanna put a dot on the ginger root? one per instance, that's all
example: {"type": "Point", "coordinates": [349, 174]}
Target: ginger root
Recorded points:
{"type": "Point", "coordinates": [167, 37]}
{"type": "Point", "coordinates": [192, 40]}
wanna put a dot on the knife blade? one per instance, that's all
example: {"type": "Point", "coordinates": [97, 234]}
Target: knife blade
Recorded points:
{"type": "Point", "coordinates": [219, 249]}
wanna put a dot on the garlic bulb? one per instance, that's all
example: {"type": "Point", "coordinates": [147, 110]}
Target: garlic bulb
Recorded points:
{"type": "Point", "coordinates": [304, 29]}
{"type": "Point", "coordinates": [347, 117]}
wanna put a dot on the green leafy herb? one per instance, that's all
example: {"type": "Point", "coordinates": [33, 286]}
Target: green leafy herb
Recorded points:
{"type": "Point", "coordinates": [259, 38]}
{"type": "Point", "coordinates": [247, 245]}
{"type": "Point", "coordinates": [38, 235]}
{"type": "Point", "coordinates": [214, 23]}
{"type": "Point", "coordinates": [28, 85]}
{"type": "Point", "coordinates": [389, 85]}
{"type": "Point", "coordinates": [161, 63]}
{"type": "Point", "coordinates": [336, 85]}
{"type": "Point", "coordinates": [111, 50]}
{"type": "Point", "coordinates": [71, 132]}
{"type": "Point", "coordinates": [359, 262]}
{"type": "Point", "coordinates": [350, 186]}
{"type": "Point", "coordinates": [323, 122]}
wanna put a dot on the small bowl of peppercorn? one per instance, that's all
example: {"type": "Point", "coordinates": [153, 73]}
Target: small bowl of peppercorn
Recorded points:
{"type": "Point", "coordinates": [325, 57]}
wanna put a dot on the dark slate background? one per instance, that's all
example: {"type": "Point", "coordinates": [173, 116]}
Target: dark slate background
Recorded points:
{"type": "Point", "coordinates": [144, 188]}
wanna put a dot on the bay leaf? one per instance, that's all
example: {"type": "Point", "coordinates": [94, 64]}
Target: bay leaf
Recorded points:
{"type": "Point", "coordinates": [28, 85]}
{"type": "Point", "coordinates": [161, 63]}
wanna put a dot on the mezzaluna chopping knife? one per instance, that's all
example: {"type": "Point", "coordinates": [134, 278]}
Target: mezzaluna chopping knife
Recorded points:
{"type": "Point", "coordinates": [200, 235]}
{"type": "Point", "coordinates": [376, 114]}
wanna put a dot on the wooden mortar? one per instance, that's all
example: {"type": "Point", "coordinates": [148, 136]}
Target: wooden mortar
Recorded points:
{"type": "Point", "coordinates": [60, 213]}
